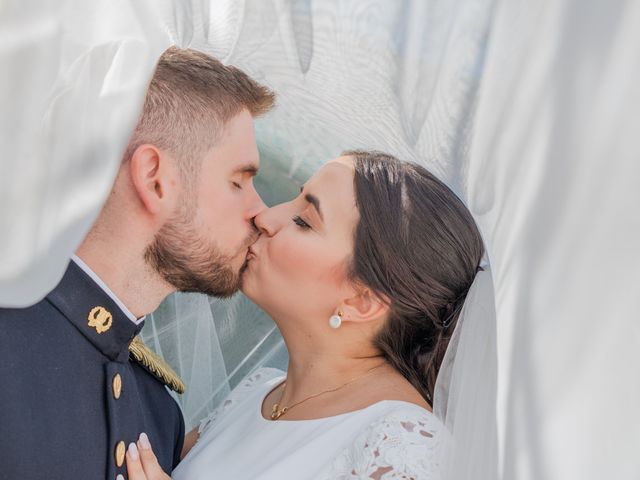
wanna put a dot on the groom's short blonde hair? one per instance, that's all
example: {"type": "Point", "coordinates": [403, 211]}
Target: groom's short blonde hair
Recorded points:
{"type": "Point", "coordinates": [190, 98]}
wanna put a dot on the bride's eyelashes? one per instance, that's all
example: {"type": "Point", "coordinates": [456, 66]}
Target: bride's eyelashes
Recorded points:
{"type": "Point", "coordinates": [300, 222]}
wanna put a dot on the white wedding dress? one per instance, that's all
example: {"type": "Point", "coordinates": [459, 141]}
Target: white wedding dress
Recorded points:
{"type": "Point", "coordinates": [387, 440]}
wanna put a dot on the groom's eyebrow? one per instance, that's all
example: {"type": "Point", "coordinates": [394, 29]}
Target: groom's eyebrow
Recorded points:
{"type": "Point", "coordinates": [248, 169]}
{"type": "Point", "coordinates": [313, 200]}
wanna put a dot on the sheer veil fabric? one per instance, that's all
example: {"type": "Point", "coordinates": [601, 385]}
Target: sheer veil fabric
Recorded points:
{"type": "Point", "coordinates": [528, 110]}
{"type": "Point", "coordinates": [467, 388]}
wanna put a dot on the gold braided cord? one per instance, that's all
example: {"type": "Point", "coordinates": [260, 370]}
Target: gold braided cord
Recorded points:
{"type": "Point", "coordinates": [156, 365]}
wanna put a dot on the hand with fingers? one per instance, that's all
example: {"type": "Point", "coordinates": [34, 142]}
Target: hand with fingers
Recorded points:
{"type": "Point", "coordinates": [142, 463]}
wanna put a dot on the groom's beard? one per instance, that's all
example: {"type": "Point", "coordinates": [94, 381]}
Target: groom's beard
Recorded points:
{"type": "Point", "coordinates": [189, 263]}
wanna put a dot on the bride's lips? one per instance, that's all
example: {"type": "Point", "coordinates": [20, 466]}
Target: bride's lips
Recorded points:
{"type": "Point", "coordinates": [251, 253]}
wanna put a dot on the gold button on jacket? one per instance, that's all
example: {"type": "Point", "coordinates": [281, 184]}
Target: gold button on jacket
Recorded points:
{"type": "Point", "coordinates": [116, 386]}
{"type": "Point", "coordinates": [120, 451]}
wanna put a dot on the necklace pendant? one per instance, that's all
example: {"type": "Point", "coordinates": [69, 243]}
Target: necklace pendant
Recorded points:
{"type": "Point", "coordinates": [276, 412]}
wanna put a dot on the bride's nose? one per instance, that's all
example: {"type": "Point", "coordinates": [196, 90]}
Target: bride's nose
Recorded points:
{"type": "Point", "coordinates": [269, 221]}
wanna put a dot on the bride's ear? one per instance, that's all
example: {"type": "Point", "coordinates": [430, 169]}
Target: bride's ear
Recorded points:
{"type": "Point", "coordinates": [364, 306]}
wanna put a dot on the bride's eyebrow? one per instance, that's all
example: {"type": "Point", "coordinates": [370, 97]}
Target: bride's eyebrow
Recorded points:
{"type": "Point", "coordinates": [313, 200]}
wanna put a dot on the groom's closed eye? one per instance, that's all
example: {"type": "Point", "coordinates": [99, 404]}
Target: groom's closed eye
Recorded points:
{"type": "Point", "coordinates": [248, 169]}
{"type": "Point", "coordinates": [242, 174]}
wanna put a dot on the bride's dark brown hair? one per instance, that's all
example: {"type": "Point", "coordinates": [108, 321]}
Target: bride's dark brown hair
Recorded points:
{"type": "Point", "coordinates": [416, 244]}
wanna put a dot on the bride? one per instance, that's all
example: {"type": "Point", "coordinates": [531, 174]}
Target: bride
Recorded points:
{"type": "Point", "coordinates": [365, 274]}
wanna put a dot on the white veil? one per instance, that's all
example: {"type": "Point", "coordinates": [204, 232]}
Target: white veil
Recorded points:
{"type": "Point", "coordinates": [467, 387]}
{"type": "Point", "coordinates": [212, 344]}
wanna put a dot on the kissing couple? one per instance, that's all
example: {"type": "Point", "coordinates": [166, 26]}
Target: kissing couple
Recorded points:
{"type": "Point", "coordinates": [364, 272]}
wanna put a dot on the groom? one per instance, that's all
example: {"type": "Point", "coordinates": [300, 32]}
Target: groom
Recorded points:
{"type": "Point", "coordinates": [77, 386]}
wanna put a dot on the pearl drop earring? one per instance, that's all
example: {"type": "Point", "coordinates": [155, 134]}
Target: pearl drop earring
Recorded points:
{"type": "Point", "coordinates": [336, 320]}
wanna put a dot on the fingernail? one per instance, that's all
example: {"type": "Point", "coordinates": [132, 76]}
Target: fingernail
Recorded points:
{"type": "Point", "coordinates": [133, 451]}
{"type": "Point", "coordinates": [119, 477]}
{"type": "Point", "coordinates": [144, 441]}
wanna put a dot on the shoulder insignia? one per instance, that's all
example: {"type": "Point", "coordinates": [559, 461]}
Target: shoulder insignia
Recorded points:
{"type": "Point", "coordinates": [156, 365]}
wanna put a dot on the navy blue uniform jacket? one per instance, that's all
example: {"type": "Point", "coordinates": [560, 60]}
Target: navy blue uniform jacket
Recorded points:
{"type": "Point", "coordinates": [70, 397]}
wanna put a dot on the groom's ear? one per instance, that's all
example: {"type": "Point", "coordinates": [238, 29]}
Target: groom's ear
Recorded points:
{"type": "Point", "coordinates": [364, 306]}
{"type": "Point", "coordinates": [154, 180]}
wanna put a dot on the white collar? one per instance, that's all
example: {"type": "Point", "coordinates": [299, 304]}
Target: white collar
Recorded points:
{"type": "Point", "coordinates": [94, 276]}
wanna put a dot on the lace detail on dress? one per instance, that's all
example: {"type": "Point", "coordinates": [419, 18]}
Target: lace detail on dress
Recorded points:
{"type": "Point", "coordinates": [401, 445]}
{"type": "Point", "coordinates": [248, 384]}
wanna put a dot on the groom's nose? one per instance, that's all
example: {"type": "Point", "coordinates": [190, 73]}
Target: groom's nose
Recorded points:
{"type": "Point", "coordinates": [255, 207]}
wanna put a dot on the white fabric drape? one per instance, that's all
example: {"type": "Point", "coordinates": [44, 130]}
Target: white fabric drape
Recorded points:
{"type": "Point", "coordinates": [73, 79]}
{"type": "Point", "coordinates": [553, 181]}
{"type": "Point", "coordinates": [529, 110]}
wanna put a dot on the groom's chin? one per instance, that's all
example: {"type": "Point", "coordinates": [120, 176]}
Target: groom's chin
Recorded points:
{"type": "Point", "coordinates": [219, 281]}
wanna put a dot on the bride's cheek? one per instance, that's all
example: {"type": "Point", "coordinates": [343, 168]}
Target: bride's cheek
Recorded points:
{"type": "Point", "coordinates": [293, 256]}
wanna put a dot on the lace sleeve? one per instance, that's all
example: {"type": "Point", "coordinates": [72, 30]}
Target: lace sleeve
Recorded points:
{"type": "Point", "coordinates": [401, 445]}
{"type": "Point", "coordinates": [249, 383]}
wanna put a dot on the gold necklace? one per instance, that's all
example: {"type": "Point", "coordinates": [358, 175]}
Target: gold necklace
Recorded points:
{"type": "Point", "coordinates": [277, 412]}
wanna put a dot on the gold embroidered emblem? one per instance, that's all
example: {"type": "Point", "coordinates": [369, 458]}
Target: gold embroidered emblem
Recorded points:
{"type": "Point", "coordinates": [156, 365]}
{"type": "Point", "coordinates": [100, 318]}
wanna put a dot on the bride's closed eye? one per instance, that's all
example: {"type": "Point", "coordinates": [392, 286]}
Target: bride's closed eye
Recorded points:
{"type": "Point", "coordinates": [300, 222]}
